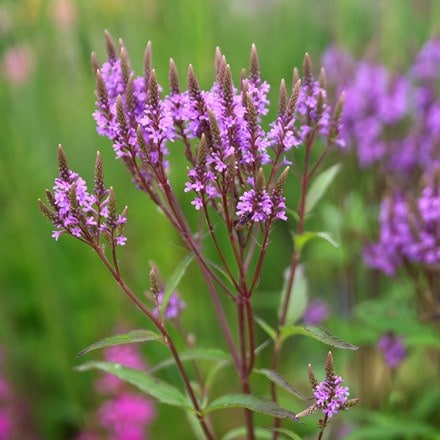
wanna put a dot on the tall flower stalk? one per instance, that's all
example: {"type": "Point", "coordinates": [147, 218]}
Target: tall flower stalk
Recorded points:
{"type": "Point", "coordinates": [236, 175]}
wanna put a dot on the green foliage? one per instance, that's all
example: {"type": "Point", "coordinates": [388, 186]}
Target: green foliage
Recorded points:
{"type": "Point", "coordinates": [253, 403]}
{"type": "Point", "coordinates": [174, 281]}
{"type": "Point", "coordinates": [159, 390]}
{"type": "Point", "coordinates": [298, 295]}
{"type": "Point", "coordinates": [319, 333]}
{"type": "Point", "coordinates": [320, 185]}
{"type": "Point", "coordinates": [124, 338]}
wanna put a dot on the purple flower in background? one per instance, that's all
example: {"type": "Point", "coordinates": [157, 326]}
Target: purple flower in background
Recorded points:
{"type": "Point", "coordinates": [392, 348]}
{"type": "Point", "coordinates": [409, 228]}
{"type": "Point", "coordinates": [330, 395]}
{"type": "Point", "coordinates": [316, 312]}
{"type": "Point", "coordinates": [174, 307]}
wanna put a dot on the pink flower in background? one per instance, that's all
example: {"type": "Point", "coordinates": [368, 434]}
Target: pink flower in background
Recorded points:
{"type": "Point", "coordinates": [125, 415]}
{"type": "Point", "coordinates": [17, 64]}
{"type": "Point", "coordinates": [127, 355]}
{"type": "Point", "coordinates": [64, 13]}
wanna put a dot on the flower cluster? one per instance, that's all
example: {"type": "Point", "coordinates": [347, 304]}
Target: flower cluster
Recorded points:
{"type": "Point", "coordinates": [125, 414]}
{"type": "Point", "coordinates": [231, 148]}
{"type": "Point", "coordinates": [73, 210]}
{"type": "Point", "coordinates": [392, 120]}
{"type": "Point", "coordinates": [409, 228]}
{"type": "Point", "coordinates": [392, 348]}
{"type": "Point", "coordinates": [330, 395]}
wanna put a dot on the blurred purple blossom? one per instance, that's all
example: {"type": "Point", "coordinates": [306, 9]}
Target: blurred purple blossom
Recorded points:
{"type": "Point", "coordinates": [174, 307]}
{"type": "Point", "coordinates": [409, 228]}
{"type": "Point", "coordinates": [392, 348]}
{"type": "Point", "coordinates": [316, 312]}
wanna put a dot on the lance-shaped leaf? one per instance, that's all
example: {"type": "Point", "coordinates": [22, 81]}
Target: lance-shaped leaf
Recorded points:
{"type": "Point", "coordinates": [253, 403]}
{"type": "Point", "coordinates": [298, 296]}
{"type": "Point", "coordinates": [199, 354]}
{"type": "Point", "coordinates": [320, 333]}
{"type": "Point", "coordinates": [162, 391]}
{"type": "Point", "coordinates": [266, 327]}
{"type": "Point", "coordinates": [123, 338]}
{"type": "Point", "coordinates": [240, 433]}
{"type": "Point", "coordinates": [305, 237]}
{"type": "Point", "coordinates": [174, 281]}
{"type": "Point", "coordinates": [281, 381]}
{"type": "Point", "coordinates": [320, 185]}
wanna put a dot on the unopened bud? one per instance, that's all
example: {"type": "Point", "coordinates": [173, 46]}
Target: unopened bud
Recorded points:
{"type": "Point", "coordinates": [147, 65]}
{"type": "Point", "coordinates": [154, 280]}
{"type": "Point", "coordinates": [63, 166]}
{"type": "Point", "coordinates": [125, 63]}
{"type": "Point", "coordinates": [110, 46]}
{"type": "Point", "coordinates": [261, 181]}
{"type": "Point", "coordinates": [254, 65]}
{"type": "Point", "coordinates": [99, 188]}
{"type": "Point", "coordinates": [329, 366]}
{"type": "Point", "coordinates": [281, 182]}
{"type": "Point", "coordinates": [312, 378]}
{"type": "Point", "coordinates": [173, 78]}
{"type": "Point", "coordinates": [282, 102]}
{"type": "Point", "coordinates": [307, 68]}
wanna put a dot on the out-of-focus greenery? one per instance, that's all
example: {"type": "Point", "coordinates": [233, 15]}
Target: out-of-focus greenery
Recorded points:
{"type": "Point", "coordinates": [55, 297]}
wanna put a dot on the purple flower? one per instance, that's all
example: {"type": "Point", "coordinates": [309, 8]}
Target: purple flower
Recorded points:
{"type": "Point", "coordinates": [392, 348]}
{"type": "Point", "coordinates": [174, 307]}
{"type": "Point", "coordinates": [316, 312]}
{"type": "Point", "coordinates": [331, 395]}
{"type": "Point", "coordinates": [73, 210]}
{"type": "Point", "coordinates": [141, 123]}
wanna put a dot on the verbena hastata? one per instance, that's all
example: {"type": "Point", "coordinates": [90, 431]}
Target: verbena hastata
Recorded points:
{"type": "Point", "coordinates": [236, 174]}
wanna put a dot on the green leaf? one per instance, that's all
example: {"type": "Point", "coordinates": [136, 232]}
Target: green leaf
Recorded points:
{"type": "Point", "coordinates": [240, 433]}
{"type": "Point", "coordinates": [174, 281]}
{"type": "Point", "coordinates": [319, 186]}
{"type": "Point", "coordinates": [298, 296]}
{"type": "Point", "coordinates": [253, 403]}
{"type": "Point", "coordinates": [281, 381]}
{"type": "Point", "coordinates": [123, 338]}
{"type": "Point", "coordinates": [287, 432]}
{"type": "Point", "coordinates": [204, 354]}
{"type": "Point", "coordinates": [320, 333]}
{"type": "Point", "coordinates": [266, 327]}
{"type": "Point", "coordinates": [162, 391]}
{"type": "Point", "coordinates": [305, 237]}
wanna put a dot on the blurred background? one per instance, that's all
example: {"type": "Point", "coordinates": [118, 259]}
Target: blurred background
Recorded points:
{"type": "Point", "coordinates": [56, 298]}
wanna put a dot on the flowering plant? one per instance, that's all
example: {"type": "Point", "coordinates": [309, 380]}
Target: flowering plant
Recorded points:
{"type": "Point", "coordinates": [237, 175]}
